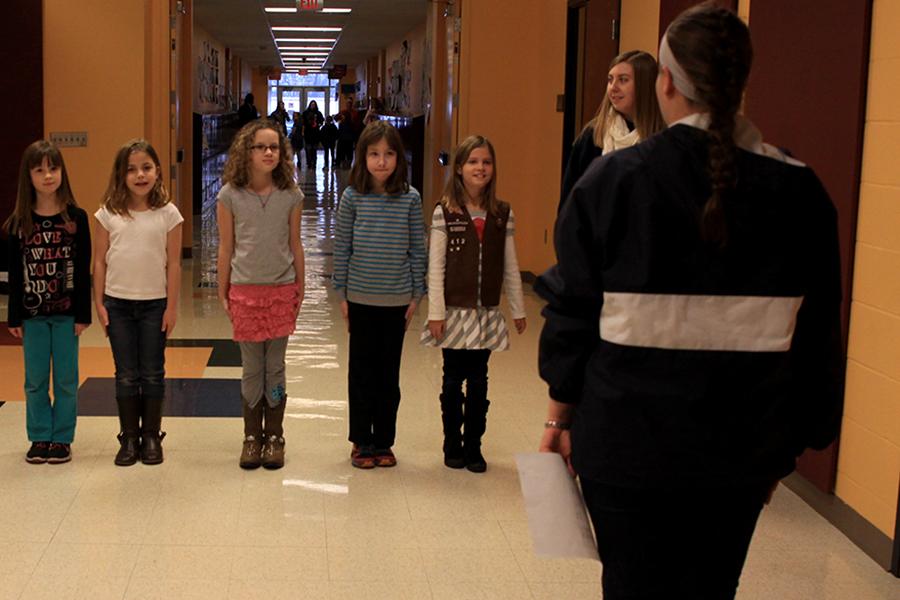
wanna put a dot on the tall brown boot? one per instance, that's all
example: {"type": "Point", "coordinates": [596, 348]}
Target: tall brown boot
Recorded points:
{"type": "Point", "coordinates": [251, 455]}
{"type": "Point", "coordinates": [273, 448]}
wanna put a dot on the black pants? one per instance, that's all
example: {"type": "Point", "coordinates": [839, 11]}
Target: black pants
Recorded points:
{"type": "Point", "coordinates": [345, 152]}
{"type": "Point", "coordinates": [680, 545]}
{"type": "Point", "coordinates": [329, 154]}
{"type": "Point", "coordinates": [138, 346]}
{"type": "Point", "coordinates": [376, 343]}
{"type": "Point", "coordinates": [311, 148]}
{"type": "Point", "coordinates": [469, 366]}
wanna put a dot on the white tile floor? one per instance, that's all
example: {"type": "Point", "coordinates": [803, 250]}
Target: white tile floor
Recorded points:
{"type": "Point", "coordinates": [199, 527]}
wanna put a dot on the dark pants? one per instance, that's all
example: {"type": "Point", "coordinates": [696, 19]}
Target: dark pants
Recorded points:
{"type": "Point", "coordinates": [329, 153]}
{"type": "Point", "coordinates": [471, 367]}
{"type": "Point", "coordinates": [138, 346]}
{"type": "Point", "coordinates": [376, 343]}
{"type": "Point", "coordinates": [345, 152]}
{"type": "Point", "coordinates": [661, 544]}
{"type": "Point", "coordinates": [311, 148]}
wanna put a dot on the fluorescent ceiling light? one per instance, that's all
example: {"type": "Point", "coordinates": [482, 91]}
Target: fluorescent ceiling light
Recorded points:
{"type": "Point", "coordinates": [336, 10]}
{"type": "Point", "coordinates": [281, 9]}
{"type": "Point", "coordinates": [292, 28]}
{"type": "Point", "coordinates": [305, 53]}
{"type": "Point", "coordinates": [293, 48]}
{"type": "Point", "coordinates": [332, 40]}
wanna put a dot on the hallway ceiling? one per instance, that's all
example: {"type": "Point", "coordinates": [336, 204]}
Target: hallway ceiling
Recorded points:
{"type": "Point", "coordinates": [244, 26]}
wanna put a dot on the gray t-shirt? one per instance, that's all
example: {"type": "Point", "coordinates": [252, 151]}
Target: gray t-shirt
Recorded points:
{"type": "Point", "coordinates": [262, 250]}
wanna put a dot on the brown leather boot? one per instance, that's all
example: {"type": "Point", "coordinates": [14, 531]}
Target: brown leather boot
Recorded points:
{"type": "Point", "coordinates": [251, 454]}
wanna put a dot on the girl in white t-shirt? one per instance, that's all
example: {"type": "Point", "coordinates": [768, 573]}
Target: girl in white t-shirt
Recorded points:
{"type": "Point", "coordinates": [137, 273]}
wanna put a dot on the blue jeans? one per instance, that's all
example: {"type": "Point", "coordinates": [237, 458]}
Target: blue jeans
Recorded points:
{"type": "Point", "coordinates": [49, 339]}
{"type": "Point", "coordinates": [138, 346]}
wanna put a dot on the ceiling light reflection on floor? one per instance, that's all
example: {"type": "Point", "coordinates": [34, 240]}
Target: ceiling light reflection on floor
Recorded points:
{"type": "Point", "coordinates": [328, 488]}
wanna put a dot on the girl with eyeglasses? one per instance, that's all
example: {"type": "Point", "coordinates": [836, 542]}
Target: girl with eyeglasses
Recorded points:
{"type": "Point", "coordinates": [261, 273]}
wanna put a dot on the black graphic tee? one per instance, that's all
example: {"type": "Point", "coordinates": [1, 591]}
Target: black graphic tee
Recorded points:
{"type": "Point", "coordinates": [49, 270]}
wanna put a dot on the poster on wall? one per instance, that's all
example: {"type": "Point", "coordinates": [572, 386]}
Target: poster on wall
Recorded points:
{"type": "Point", "coordinates": [210, 87]}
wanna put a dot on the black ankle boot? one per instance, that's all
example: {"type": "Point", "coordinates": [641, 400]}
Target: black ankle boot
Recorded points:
{"type": "Point", "coordinates": [151, 436]}
{"type": "Point", "coordinates": [130, 434]}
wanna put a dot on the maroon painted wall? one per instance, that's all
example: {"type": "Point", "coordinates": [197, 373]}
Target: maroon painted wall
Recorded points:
{"type": "Point", "coordinates": [21, 82]}
{"type": "Point", "coordinates": [807, 93]}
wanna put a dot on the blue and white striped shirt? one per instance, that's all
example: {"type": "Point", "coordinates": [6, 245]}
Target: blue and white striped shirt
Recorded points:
{"type": "Point", "coordinates": [379, 248]}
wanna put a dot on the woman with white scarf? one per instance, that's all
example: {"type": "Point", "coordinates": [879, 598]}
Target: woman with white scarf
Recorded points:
{"type": "Point", "coordinates": [628, 114]}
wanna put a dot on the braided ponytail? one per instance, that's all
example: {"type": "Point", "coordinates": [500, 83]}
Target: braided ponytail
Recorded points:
{"type": "Point", "coordinates": [713, 46]}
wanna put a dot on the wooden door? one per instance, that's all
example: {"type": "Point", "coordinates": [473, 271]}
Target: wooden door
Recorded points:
{"type": "Point", "coordinates": [807, 93]}
{"type": "Point", "coordinates": [592, 42]}
{"type": "Point", "coordinates": [21, 79]}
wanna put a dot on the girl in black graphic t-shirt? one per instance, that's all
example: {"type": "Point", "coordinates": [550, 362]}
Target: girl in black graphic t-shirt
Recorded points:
{"type": "Point", "coordinates": [49, 297]}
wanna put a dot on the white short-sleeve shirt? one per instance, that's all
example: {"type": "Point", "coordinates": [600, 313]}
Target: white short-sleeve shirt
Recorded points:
{"type": "Point", "coordinates": [136, 258]}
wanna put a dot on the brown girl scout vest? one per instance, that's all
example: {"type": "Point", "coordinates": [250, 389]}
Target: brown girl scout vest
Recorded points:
{"type": "Point", "coordinates": [461, 274]}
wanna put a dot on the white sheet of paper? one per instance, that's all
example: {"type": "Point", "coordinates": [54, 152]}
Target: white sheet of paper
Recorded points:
{"type": "Point", "coordinates": [557, 517]}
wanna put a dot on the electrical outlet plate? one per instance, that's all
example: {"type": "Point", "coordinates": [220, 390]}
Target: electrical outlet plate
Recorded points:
{"type": "Point", "coordinates": [69, 138]}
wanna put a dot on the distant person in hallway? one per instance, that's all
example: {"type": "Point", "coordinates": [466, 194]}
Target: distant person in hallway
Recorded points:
{"type": "Point", "coordinates": [349, 126]}
{"type": "Point", "coordinates": [329, 135]}
{"type": "Point", "coordinates": [137, 280]}
{"type": "Point", "coordinates": [261, 279]}
{"type": "Point", "coordinates": [280, 116]}
{"type": "Point", "coordinates": [49, 297]}
{"type": "Point", "coordinates": [628, 114]}
{"type": "Point", "coordinates": [312, 122]}
{"type": "Point", "coordinates": [472, 256]}
{"type": "Point", "coordinates": [296, 137]}
{"type": "Point", "coordinates": [692, 342]}
{"type": "Point", "coordinates": [247, 111]}
{"type": "Point", "coordinates": [379, 275]}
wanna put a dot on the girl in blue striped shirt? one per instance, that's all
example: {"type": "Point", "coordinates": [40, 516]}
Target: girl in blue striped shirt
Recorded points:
{"type": "Point", "coordinates": [379, 275]}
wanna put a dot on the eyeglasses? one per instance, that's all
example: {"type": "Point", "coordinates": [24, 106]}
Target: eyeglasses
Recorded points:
{"type": "Point", "coordinates": [274, 148]}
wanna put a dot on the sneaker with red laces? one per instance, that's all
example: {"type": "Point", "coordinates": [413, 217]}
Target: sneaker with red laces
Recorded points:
{"type": "Point", "coordinates": [59, 453]}
{"type": "Point", "coordinates": [37, 454]}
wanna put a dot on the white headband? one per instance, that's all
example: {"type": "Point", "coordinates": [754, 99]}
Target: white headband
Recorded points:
{"type": "Point", "coordinates": [681, 80]}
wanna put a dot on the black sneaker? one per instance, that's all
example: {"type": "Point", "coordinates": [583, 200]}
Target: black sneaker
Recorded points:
{"type": "Point", "coordinates": [37, 454]}
{"type": "Point", "coordinates": [59, 453]}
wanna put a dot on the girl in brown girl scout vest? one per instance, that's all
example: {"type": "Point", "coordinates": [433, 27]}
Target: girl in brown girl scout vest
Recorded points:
{"type": "Point", "coordinates": [472, 257]}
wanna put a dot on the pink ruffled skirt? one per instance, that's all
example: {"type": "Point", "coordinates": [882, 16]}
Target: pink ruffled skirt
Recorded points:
{"type": "Point", "coordinates": [262, 312]}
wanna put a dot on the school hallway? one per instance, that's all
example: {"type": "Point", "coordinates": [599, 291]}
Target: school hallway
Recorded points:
{"type": "Point", "coordinates": [198, 526]}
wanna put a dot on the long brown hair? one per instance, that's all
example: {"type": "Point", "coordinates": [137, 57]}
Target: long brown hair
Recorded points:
{"type": "Point", "coordinates": [237, 167]}
{"type": "Point", "coordinates": [374, 132]}
{"type": "Point", "coordinates": [20, 221]}
{"type": "Point", "coordinates": [712, 45]}
{"type": "Point", "coordinates": [454, 196]}
{"type": "Point", "coordinates": [116, 197]}
{"type": "Point", "coordinates": [647, 118]}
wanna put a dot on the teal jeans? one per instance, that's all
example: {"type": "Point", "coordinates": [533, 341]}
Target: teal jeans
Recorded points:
{"type": "Point", "coordinates": [46, 340]}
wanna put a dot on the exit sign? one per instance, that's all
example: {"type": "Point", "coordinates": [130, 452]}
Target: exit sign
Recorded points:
{"type": "Point", "coordinates": [310, 4]}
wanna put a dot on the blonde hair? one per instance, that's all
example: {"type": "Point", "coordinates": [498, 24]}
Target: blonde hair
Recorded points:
{"type": "Point", "coordinates": [454, 196]}
{"type": "Point", "coordinates": [115, 199]}
{"type": "Point", "coordinates": [237, 167]}
{"type": "Point", "coordinates": [20, 221]}
{"type": "Point", "coordinates": [647, 118]}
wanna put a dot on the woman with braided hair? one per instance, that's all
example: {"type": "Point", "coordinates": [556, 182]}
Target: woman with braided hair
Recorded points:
{"type": "Point", "coordinates": [710, 261]}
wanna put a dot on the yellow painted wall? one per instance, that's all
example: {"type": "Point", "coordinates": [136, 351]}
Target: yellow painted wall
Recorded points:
{"type": "Point", "coordinates": [507, 92]}
{"type": "Point", "coordinates": [869, 461]}
{"type": "Point", "coordinates": [94, 74]}
{"type": "Point", "coordinates": [640, 26]}
{"type": "Point", "coordinates": [744, 10]}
